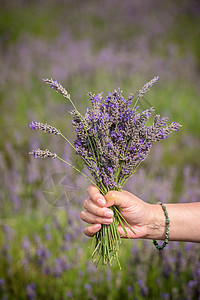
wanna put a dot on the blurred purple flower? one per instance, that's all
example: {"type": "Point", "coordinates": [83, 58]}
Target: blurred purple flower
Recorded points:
{"type": "Point", "coordinates": [42, 255]}
{"type": "Point", "coordinates": [69, 294]}
{"type": "Point", "coordinates": [2, 284]}
{"type": "Point", "coordinates": [165, 296]}
{"type": "Point", "coordinates": [26, 244]}
{"type": "Point", "coordinates": [129, 289]}
{"type": "Point", "coordinates": [87, 286]}
{"type": "Point", "coordinates": [80, 273]}
{"type": "Point", "coordinates": [31, 291]}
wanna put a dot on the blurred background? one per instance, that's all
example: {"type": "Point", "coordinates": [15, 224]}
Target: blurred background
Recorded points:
{"type": "Point", "coordinates": [93, 46]}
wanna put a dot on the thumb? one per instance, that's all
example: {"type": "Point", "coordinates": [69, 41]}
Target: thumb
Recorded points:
{"type": "Point", "coordinates": [121, 199]}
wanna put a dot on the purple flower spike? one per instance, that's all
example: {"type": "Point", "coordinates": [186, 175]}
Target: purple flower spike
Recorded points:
{"type": "Point", "coordinates": [56, 86]}
{"type": "Point", "coordinates": [146, 87]}
{"type": "Point", "coordinates": [44, 127]}
{"type": "Point", "coordinates": [43, 153]}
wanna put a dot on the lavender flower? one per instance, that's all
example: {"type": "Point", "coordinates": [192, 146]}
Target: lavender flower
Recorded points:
{"type": "Point", "coordinates": [48, 235]}
{"type": "Point", "coordinates": [44, 127]}
{"type": "Point", "coordinates": [129, 289]}
{"type": "Point", "coordinates": [30, 291]}
{"type": "Point", "coordinates": [56, 86]}
{"type": "Point", "coordinates": [59, 266]}
{"type": "Point", "coordinates": [2, 285]}
{"type": "Point", "coordinates": [26, 244]}
{"type": "Point", "coordinates": [43, 153]}
{"type": "Point", "coordinates": [2, 281]}
{"type": "Point", "coordinates": [87, 286]}
{"type": "Point", "coordinates": [146, 87]}
{"type": "Point", "coordinates": [69, 294]}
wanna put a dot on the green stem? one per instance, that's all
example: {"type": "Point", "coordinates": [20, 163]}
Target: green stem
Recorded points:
{"type": "Point", "coordinates": [126, 150]}
{"type": "Point", "coordinates": [96, 145]}
{"type": "Point", "coordinates": [136, 102]}
{"type": "Point", "coordinates": [68, 141]}
{"type": "Point", "coordinates": [93, 150]}
{"type": "Point", "coordinates": [83, 121]}
{"type": "Point", "coordinates": [118, 170]}
{"type": "Point", "coordinates": [107, 241]}
{"type": "Point", "coordinates": [121, 218]}
{"type": "Point", "coordinates": [125, 178]}
{"type": "Point", "coordinates": [86, 162]}
{"type": "Point", "coordinates": [79, 172]}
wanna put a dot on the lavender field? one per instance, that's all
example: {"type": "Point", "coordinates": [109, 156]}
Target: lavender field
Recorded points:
{"type": "Point", "coordinates": [93, 46]}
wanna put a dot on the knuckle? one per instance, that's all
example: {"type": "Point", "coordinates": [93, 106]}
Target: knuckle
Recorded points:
{"type": "Point", "coordinates": [100, 212]}
{"type": "Point", "coordinates": [99, 220]}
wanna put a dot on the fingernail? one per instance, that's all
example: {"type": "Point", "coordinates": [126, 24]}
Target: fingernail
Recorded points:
{"type": "Point", "coordinates": [107, 221]}
{"type": "Point", "coordinates": [108, 213]}
{"type": "Point", "coordinates": [101, 202]}
{"type": "Point", "coordinates": [97, 226]}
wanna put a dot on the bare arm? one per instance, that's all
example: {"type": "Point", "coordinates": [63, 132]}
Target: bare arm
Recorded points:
{"type": "Point", "coordinates": [184, 222]}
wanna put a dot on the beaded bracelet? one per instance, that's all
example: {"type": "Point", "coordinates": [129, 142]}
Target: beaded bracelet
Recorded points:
{"type": "Point", "coordinates": [167, 230]}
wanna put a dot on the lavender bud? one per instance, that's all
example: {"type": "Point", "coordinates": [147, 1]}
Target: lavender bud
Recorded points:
{"type": "Point", "coordinates": [44, 127]}
{"type": "Point", "coordinates": [31, 291]}
{"type": "Point", "coordinates": [146, 87]}
{"type": "Point", "coordinates": [56, 86]}
{"type": "Point", "coordinates": [43, 153]}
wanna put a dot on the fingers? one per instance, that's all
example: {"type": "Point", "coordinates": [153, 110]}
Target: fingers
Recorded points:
{"type": "Point", "coordinates": [95, 195]}
{"type": "Point", "coordinates": [96, 213]}
{"type": "Point", "coordinates": [91, 230]}
{"type": "Point", "coordinates": [91, 207]}
{"type": "Point", "coordinates": [90, 218]}
{"type": "Point", "coordinates": [122, 199]}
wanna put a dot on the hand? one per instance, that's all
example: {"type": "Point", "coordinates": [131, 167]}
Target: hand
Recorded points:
{"type": "Point", "coordinates": [138, 213]}
{"type": "Point", "coordinates": [147, 220]}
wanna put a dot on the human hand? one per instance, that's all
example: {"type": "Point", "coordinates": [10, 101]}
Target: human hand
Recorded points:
{"type": "Point", "coordinates": [137, 213]}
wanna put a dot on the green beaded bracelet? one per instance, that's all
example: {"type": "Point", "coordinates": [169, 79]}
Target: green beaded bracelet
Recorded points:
{"type": "Point", "coordinates": [167, 230]}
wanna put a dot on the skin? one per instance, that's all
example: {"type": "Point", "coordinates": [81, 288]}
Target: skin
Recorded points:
{"type": "Point", "coordinates": [147, 220]}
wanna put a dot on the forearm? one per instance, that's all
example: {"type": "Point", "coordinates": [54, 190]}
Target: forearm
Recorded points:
{"type": "Point", "coordinates": [184, 222]}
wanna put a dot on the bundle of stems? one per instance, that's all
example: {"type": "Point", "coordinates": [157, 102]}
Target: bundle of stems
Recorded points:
{"type": "Point", "coordinates": [107, 239]}
{"type": "Point", "coordinates": [112, 139]}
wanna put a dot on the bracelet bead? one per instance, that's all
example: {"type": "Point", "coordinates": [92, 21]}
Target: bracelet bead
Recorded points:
{"type": "Point", "coordinates": [166, 241]}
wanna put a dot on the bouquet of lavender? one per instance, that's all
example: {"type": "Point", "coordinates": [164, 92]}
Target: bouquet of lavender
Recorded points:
{"type": "Point", "coordinates": [112, 140]}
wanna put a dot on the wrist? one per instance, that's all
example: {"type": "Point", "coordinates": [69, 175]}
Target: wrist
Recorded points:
{"type": "Point", "coordinates": [156, 228]}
